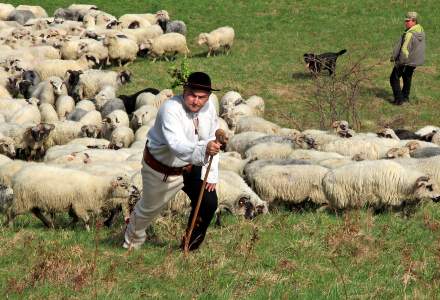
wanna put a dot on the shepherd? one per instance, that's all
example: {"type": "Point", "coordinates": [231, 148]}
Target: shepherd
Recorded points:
{"type": "Point", "coordinates": [178, 148]}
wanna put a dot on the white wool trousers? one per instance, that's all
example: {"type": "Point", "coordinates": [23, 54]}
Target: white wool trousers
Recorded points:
{"type": "Point", "coordinates": [155, 195]}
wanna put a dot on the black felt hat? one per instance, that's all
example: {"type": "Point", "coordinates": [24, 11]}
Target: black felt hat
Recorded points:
{"type": "Point", "coordinates": [199, 81]}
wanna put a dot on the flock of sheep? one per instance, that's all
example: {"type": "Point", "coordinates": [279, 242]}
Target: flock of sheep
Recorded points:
{"type": "Point", "coordinates": [71, 144]}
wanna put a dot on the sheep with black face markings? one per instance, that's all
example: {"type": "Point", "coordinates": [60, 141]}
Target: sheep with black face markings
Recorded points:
{"type": "Point", "coordinates": [55, 189]}
{"type": "Point", "coordinates": [122, 50]}
{"type": "Point", "coordinates": [379, 184]}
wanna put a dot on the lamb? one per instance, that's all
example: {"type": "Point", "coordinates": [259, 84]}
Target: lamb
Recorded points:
{"type": "Point", "coordinates": [294, 183]}
{"type": "Point", "coordinates": [55, 189]}
{"type": "Point", "coordinates": [64, 105]}
{"type": "Point", "coordinates": [256, 124]}
{"type": "Point", "coordinates": [169, 43]}
{"type": "Point", "coordinates": [49, 90]}
{"type": "Point", "coordinates": [122, 50]}
{"type": "Point", "coordinates": [4, 159]}
{"type": "Point", "coordinates": [378, 184]}
{"type": "Point", "coordinates": [142, 116]}
{"type": "Point", "coordinates": [220, 37]}
{"type": "Point", "coordinates": [58, 67]}
{"type": "Point", "coordinates": [121, 137]}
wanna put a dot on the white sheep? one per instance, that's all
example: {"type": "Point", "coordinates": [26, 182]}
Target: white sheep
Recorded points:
{"type": "Point", "coordinates": [49, 90]}
{"type": "Point", "coordinates": [239, 142]}
{"type": "Point", "coordinates": [55, 189]}
{"type": "Point", "coordinates": [63, 132]}
{"type": "Point", "coordinates": [108, 92]}
{"type": "Point", "coordinates": [169, 43]}
{"type": "Point", "coordinates": [27, 114]}
{"type": "Point", "coordinates": [290, 183]}
{"type": "Point", "coordinates": [220, 37]}
{"type": "Point", "coordinates": [232, 161]}
{"type": "Point", "coordinates": [58, 67]}
{"type": "Point", "coordinates": [142, 116]}
{"type": "Point", "coordinates": [90, 142]}
{"type": "Point", "coordinates": [256, 124]}
{"type": "Point", "coordinates": [379, 184]}
{"type": "Point", "coordinates": [145, 99]}
{"type": "Point", "coordinates": [5, 10]}
{"type": "Point", "coordinates": [427, 130]}
{"type": "Point", "coordinates": [257, 103]}
{"type": "Point", "coordinates": [7, 146]}
{"type": "Point", "coordinates": [38, 11]}
{"type": "Point", "coordinates": [85, 104]}
{"type": "Point", "coordinates": [141, 133]}
{"type": "Point", "coordinates": [122, 50]}
{"type": "Point", "coordinates": [116, 118]}
{"type": "Point", "coordinates": [142, 34]}
{"type": "Point", "coordinates": [121, 137]}
{"type": "Point", "coordinates": [64, 105]}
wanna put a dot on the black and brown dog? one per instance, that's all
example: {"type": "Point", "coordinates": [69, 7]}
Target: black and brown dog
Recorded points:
{"type": "Point", "coordinates": [324, 61]}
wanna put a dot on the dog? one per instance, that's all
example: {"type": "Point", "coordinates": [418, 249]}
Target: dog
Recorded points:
{"type": "Point", "coordinates": [324, 61]}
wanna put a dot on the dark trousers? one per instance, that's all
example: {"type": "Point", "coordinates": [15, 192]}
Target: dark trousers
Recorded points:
{"type": "Point", "coordinates": [406, 72]}
{"type": "Point", "coordinates": [192, 184]}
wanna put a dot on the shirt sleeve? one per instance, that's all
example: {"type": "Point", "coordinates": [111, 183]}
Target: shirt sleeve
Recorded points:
{"type": "Point", "coordinates": [178, 143]}
{"type": "Point", "coordinates": [213, 173]}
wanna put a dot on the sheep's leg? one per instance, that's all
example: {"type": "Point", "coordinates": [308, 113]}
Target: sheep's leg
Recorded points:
{"type": "Point", "coordinates": [39, 214]}
{"type": "Point", "coordinates": [74, 217]}
{"type": "Point", "coordinates": [82, 214]}
{"type": "Point", "coordinates": [209, 53]}
{"type": "Point", "coordinates": [113, 215]}
{"type": "Point", "coordinates": [10, 216]}
{"type": "Point", "coordinates": [218, 219]}
{"type": "Point", "coordinates": [119, 63]}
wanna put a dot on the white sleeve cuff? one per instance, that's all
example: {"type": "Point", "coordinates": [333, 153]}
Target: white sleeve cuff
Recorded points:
{"type": "Point", "coordinates": [199, 157]}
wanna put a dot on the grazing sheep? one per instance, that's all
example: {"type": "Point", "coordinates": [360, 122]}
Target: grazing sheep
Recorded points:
{"type": "Point", "coordinates": [220, 37]}
{"type": "Point", "coordinates": [293, 184]}
{"type": "Point", "coordinates": [122, 50]}
{"type": "Point", "coordinates": [270, 150]}
{"type": "Point", "coordinates": [55, 189]}
{"type": "Point", "coordinates": [313, 155]}
{"type": "Point", "coordinates": [379, 184]}
{"type": "Point", "coordinates": [232, 161]}
{"type": "Point", "coordinates": [169, 43]}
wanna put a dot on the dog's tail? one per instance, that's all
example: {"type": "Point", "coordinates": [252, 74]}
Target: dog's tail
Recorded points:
{"type": "Point", "coordinates": [341, 52]}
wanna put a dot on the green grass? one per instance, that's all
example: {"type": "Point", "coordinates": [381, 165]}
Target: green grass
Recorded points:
{"type": "Point", "coordinates": [282, 255]}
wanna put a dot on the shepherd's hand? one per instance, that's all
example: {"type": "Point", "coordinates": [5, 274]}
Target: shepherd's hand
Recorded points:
{"type": "Point", "coordinates": [213, 148]}
{"type": "Point", "coordinates": [210, 187]}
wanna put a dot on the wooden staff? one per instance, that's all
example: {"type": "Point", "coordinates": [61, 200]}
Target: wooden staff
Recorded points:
{"type": "Point", "coordinates": [220, 137]}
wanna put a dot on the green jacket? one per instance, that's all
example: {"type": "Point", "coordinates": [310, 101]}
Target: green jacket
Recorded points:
{"type": "Point", "coordinates": [410, 49]}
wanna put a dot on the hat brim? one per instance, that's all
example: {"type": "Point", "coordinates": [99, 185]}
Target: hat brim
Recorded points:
{"type": "Point", "coordinates": [200, 87]}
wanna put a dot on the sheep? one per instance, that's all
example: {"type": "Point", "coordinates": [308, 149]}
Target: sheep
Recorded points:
{"type": "Point", "coordinates": [378, 184]}
{"type": "Point", "coordinates": [77, 114]}
{"type": "Point", "coordinates": [162, 96]}
{"type": "Point", "coordinates": [427, 130]}
{"type": "Point", "coordinates": [58, 67]}
{"type": "Point", "coordinates": [64, 105]}
{"type": "Point", "coordinates": [291, 140]}
{"type": "Point", "coordinates": [313, 155]}
{"type": "Point", "coordinates": [89, 83]}
{"type": "Point", "coordinates": [220, 37]}
{"type": "Point", "coordinates": [9, 169]}
{"type": "Point", "coordinates": [7, 146]}
{"type": "Point", "coordinates": [38, 11]}
{"type": "Point", "coordinates": [141, 35]}
{"type": "Point", "coordinates": [108, 92]}
{"type": "Point", "coordinates": [173, 26]}
{"type": "Point", "coordinates": [5, 10]}
{"type": "Point", "coordinates": [49, 90]}
{"type": "Point", "coordinates": [27, 114]}
{"type": "Point", "coordinates": [86, 105]}
{"type": "Point", "coordinates": [232, 161]}
{"type": "Point", "coordinates": [256, 124]}
{"type": "Point", "coordinates": [270, 150]}
{"type": "Point", "coordinates": [426, 152]}
{"type": "Point", "coordinates": [8, 107]}
{"type": "Point", "coordinates": [87, 156]}
{"type": "Point", "coordinates": [230, 99]}
{"type": "Point", "coordinates": [112, 105]}
{"type": "Point", "coordinates": [142, 116]}
{"type": "Point", "coordinates": [240, 141]}
{"type": "Point", "coordinates": [44, 52]}
{"type": "Point", "coordinates": [117, 118]}
{"type": "Point", "coordinates": [93, 119]}
{"type": "Point", "coordinates": [122, 50]}
{"type": "Point", "coordinates": [131, 101]}
{"type": "Point", "coordinates": [121, 137]}
{"type": "Point", "coordinates": [20, 16]}
{"type": "Point", "coordinates": [233, 114]}
{"type": "Point", "coordinates": [134, 21]}
{"type": "Point", "coordinates": [4, 159]}
{"type": "Point", "coordinates": [224, 126]}
{"type": "Point", "coordinates": [370, 149]}
{"type": "Point", "coordinates": [67, 14]}
{"type": "Point", "coordinates": [55, 189]}
{"type": "Point", "coordinates": [169, 43]}
{"type": "Point", "coordinates": [94, 48]}
{"type": "Point", "coordinates": [436, 138]}
{"type": "Point", "coordinates": [294, 183]}
{"type": "Point", "coordinates": [63, 132]}
{"type": "Point", "coordinates": [141, 133]}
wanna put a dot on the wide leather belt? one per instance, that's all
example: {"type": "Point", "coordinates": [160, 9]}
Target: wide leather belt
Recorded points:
{"type": "Point", "coordinates": [161, 168]}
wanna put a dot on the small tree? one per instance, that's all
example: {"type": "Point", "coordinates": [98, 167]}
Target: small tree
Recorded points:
{"type": "Point", "coordinates": [336, 97]}
{"type": "Point", "coordinates": [179, 74]}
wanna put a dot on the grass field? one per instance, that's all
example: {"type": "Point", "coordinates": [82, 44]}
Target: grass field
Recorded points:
{"type": "Point", "coordinates": [285, 254]}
